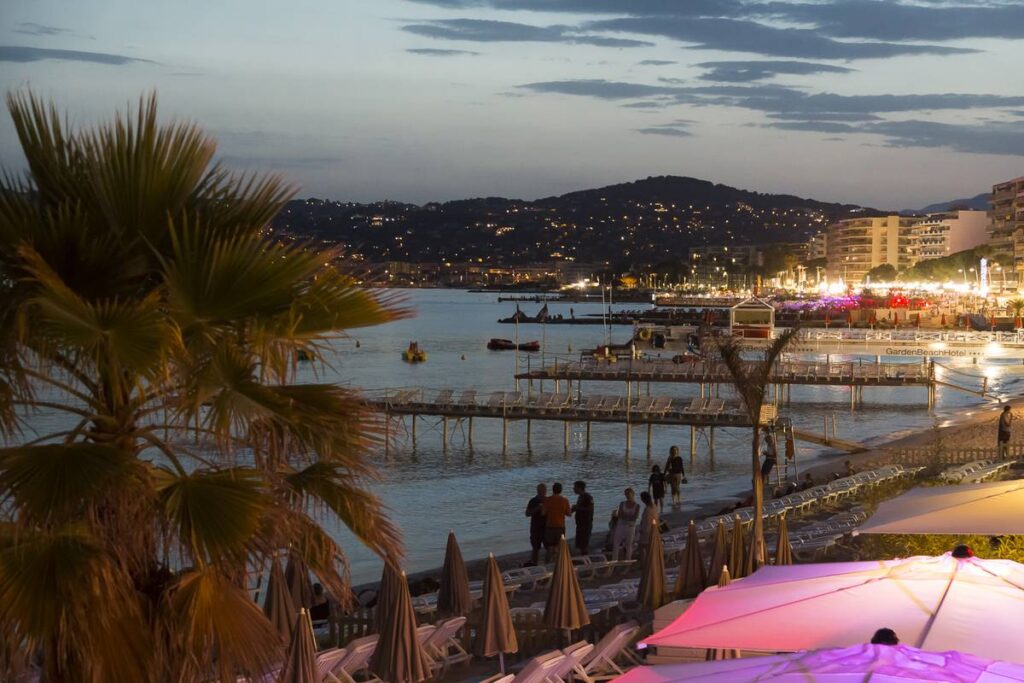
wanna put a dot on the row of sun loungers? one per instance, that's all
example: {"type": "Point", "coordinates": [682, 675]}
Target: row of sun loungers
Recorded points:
{"type": "Point", "coordinates": [581, 661]}
{"type": "Point", "coordinates": [974, 472]}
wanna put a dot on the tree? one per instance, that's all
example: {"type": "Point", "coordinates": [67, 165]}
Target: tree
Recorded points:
{"type": "Point", "coordinates": [750, 380]}
{"type": "Point", "coordinates": [145, 305]}
{"type": "Point", "coordinates": [883, 273]}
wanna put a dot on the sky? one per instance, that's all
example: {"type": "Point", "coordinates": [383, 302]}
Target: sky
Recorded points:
{"type": "Point", "coordinates": [884, 103]}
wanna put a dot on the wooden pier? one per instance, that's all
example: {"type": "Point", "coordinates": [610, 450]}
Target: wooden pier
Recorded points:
{"type": "Point", "coordinates": [630, 411]}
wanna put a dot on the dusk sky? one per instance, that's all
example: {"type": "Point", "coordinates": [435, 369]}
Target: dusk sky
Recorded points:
{"type": "Point", "coordinates": [887, 104]}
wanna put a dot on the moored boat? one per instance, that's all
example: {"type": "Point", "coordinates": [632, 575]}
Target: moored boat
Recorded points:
{"type": "Point", "coordinates": [414, 354]}
{"type": "Point", "coordinates": [496, 344]}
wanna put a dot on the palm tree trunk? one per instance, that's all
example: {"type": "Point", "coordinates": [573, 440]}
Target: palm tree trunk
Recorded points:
{"type": "Point", "coordinates": [757, 549]}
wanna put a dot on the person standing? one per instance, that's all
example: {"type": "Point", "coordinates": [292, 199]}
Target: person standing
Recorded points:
{"type": "Point", "coordinates": [648, 524]}
{"type": "Point", "coordinates": [656, 486]}
{"type": "Point", "coordinates": [676, 475]}
{"type": "Point", "coordinates": [556, 509]}
{"type": "Point", "coordinates": [1005, 420]}
{"type": "Point", "coordinates": [535, 511]}
{"type": "Point", "coordinates": [583, 513]}
{"type": "Point", "coordinates": [771, 454]}
{"type": "Point", "coordinates": [625, 526]}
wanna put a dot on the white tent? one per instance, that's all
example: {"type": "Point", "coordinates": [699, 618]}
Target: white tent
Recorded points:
{"type": "Point", "coordinates": [992, 508]}
{"type": "Point", "coordinates": [935, 603]}
{"type": "Point", "coordinates": [856, 664]}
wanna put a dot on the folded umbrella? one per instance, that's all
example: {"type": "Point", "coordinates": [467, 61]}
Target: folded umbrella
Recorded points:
{"type": "Point", "coordinates": [691, 578]}
{"type": "Point", "coordinates": [719, 555]}
{"type": "Point", "coordinates": [651, 591]}
{"type": "Point", "coordinates": [278, 606]}
{"type": "Point", "coordinates": [453, 598]}
{"type": "Point", "coordinates": [496, 634]}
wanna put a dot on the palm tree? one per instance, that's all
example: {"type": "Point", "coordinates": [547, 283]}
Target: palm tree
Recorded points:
{"type": "Point", "coordinates": [147, 309]}
{"type": "Point", "coordinates": [750, 379]}
{"type": "Point", "coordinates": [1017, 306]}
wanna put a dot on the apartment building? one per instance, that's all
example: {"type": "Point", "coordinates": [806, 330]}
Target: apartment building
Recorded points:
{"type": "Point", "coordinates": [941, 234]}
{"type": "Point", "coordinates": [1006, 221]}
{"type": "Point", "coordinates": [856, 245]}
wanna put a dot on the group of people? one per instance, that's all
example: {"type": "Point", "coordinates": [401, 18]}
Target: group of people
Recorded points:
{"type": "Point", "coordinates": [548, 513]}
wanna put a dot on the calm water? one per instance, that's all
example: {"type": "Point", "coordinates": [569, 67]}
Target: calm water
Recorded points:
{"type": "Point", "coordinates": [481, 494]}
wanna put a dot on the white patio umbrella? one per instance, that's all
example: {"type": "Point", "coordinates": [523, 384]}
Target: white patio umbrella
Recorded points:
{"type": "Point", "coordinates": [992, 508]}
{"type": "Point", "coordinates": [935, 603]}
{"type": "Point", "coordinates": [855, 664]}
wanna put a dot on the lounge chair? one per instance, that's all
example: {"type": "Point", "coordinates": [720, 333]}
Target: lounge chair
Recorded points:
{"type": "Point", "coordinates": [661, 404]}
{"type": "Point", "coordinates": [356, 660]}
{"type": "Point", "coordinates": [592, 403]}
{"type": "Point", "coordinates": [643, 404]}
{"type": "Point", "coordinates": [444, 397]}
{"type": "Point", "coordinates": [601, 663]}
{"type": "Point", "coordinates": [443, 646]}
{"type": "Point", "coordinates": [467, 398]}
{"type": "Point", "coordinates": [496, 399]}
{"type": "Point", "coordinates": [500, 678]}
{"type": "Point", "coordinates": [574, 654]}
{"type": "Point", "coordinates": [610, 404]}
{"type": "Point", "coordinates": [538, 669]}
{"type": "Point", "coordinates": [696, 406]}
{"type": "Point", "coordinates": [326, 661]}
{"type": "Point", "coordinates": [713, 407]}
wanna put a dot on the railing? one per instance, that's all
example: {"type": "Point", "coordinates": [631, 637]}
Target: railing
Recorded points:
{"type": "Point", "coordinates": [925, 456]}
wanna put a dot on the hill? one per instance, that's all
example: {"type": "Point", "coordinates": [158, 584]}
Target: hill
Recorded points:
{"type": "Point", "coordinates": [977, 202]}
{"type": "Point", "coordinates": [638, 223]}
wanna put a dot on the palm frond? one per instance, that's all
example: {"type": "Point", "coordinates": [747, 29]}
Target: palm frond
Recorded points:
{"type": "Point", "coordinates": [216, 514]}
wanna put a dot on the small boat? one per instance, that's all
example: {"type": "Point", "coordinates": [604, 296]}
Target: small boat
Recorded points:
{"type": "Point", "coordinates": [509, 345]}
{"type": "Point", "coordinates": [414, 354]}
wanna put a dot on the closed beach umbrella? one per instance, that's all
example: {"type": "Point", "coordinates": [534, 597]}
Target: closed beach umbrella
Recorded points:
{"type": "Point", "coordinates": [691, 578]}
{"type": "Point", "coordinates": [934, 603]}
{"type": "Point", "coordinates": [279, 607]}
{"type": "Point", "coordinates": [389, 585]}
{"type": "Point", "coordinates": [453, 598]}
{"type": "Point", "coordinates": [300, 658]}
{"type": "Point", "coordinates": [497, 633]}
{"type": "Point", "coordinates": [398, 657]}
{"type": "Point", "coordinates": [751, 562]}
{"type": "Point", "coordinates": [296, 573]}
{"type": "Point", "coordinates": [783, 551]}
{"type": "Point", "coordinates": [991, 508]}
{"type": "Point", "coordinates": [737, 550]}
{"type": "Point", "coordinates": [863, 663]}
{"type": "Point", "coordinates": [651, 591]}
{"type": "Point", "coordinates": [719, 555]}
{"type": "Point", "coordinates": [722, 653]}
{"type": "Point", "coordinates": [565, 608]}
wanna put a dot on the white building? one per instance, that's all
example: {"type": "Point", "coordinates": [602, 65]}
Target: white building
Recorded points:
{"type": "Point", "coordinates": [941, 234]}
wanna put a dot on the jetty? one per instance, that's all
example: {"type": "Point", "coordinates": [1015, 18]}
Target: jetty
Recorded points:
{"type": "Point", "coordinates": [700, 413]}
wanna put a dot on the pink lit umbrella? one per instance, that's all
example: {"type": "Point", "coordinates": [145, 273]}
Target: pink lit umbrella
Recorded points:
{"type": "Point", "coordinates": [937, 603]}
{"type": "Point", "coordinates": [855, 664]}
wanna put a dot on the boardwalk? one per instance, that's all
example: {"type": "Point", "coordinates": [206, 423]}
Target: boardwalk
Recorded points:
{"type": "Point", "coordinates": [703, 372]}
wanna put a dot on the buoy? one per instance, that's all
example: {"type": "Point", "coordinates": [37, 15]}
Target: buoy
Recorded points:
{"type": "Point", "coordinates": [357, 343]}
{"type": "Point", "coordinates": [570, 348]}
{"type": "Point", "coordinates": [463, 356]}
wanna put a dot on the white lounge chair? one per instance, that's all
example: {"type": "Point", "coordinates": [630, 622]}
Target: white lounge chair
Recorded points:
{"type": "Point", "coordinates": [443, 646]}
{"type": "Point", "coordinates": [356, 660]}
{"type": "Point", "coordinates": [444, 397]}
{"type": "Point", "coordinates": [326, 661]}
{"type": "Point", "coordinates": [574, 654]}
{"type": "Point", "coordinates": [538, 669]}
{"type": "Point", "coordinates": [467, 398]}
{"type": "Point", "coordinates": [602, 663]}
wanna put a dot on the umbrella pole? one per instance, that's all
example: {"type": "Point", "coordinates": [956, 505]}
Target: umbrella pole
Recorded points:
{"type": "Point", "coordinates": [501, 662]}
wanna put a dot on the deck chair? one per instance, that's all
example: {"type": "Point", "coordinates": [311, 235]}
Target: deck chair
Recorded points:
{"type": "Point", "coordinates": [574, 654]}
{"type": "Point", "coordinates": [644, 404]}
{"type": "Point", "coordinates": [496, 399]}
{"type": "Point", "coordinates": [543, 401]}
{"type": "Point", "coordinates": [538, 669]}
{"type": "Point", "coordinates": [500, 678]}
{"type": "Point", "coordinates": [443, 646]}
{"type": "Point", "coordinates": [356, 660]}
{"type": "Point", "coordinates": [467, 398]}
{"type": "Point", "coordinates": [326, 661]}
{"type": "Point", "coordinates": [714, 406]}
{"type": "Point", "coordinates": [696, 406]}
{"type": "Point", "coordinates": [444, 397]}
{"type": "Point", "coordinates": [661, 404]}
{"type": "Point", "coordinates": [601, 663]}
{"type": "Point", "coordinates": [611, 403]}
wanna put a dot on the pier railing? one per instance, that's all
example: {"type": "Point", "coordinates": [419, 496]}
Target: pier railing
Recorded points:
{"type": "Point", "coordinates": [925, 455]}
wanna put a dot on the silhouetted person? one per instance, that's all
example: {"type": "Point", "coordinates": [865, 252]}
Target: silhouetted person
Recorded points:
{"type": "Point", "coordinates": [556, 509]}
{"type": "Point", "coordinates": [676, 474]}
{"type": "Point", "coordinates": [656, 486]}
{"type": "Point", "coordinates": [535, 511]}
{"type": "Point", "coordinates": [583, 513]}
{"type": "Point", "coordinates": [1005, 420]}
{"type": "Point", "coordinates": [885, 636]}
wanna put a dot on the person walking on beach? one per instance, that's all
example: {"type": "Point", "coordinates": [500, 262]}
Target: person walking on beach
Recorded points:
{"type": "Point", "coordinates": [625, 526]}
{"type": "Point", "coordinates": [1005, 420]}
{"type": "Point", "coordinates": [771, 454]}
{"type": "Point", "coordinates": [556, 509]}
{"type": "Point", "coordinates": [535, 511]}
{"type": "Point", "coordinates": [676, 475]}
{"type": "Point", "coordinates": [648, 524]}
{"type": "Point", "coordinates": [583, 513]}
{"type": "Point", "coordinates": [656, 486]}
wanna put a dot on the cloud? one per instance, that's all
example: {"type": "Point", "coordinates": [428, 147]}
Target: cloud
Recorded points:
{"type": "Point", "coordinates": [667, 130]}
{"type": "Point", "coordinates": [826, 116]}
{"type": "Point", "coordinates": [19, 53]}
{"type": "Point", "coordinates": [990, 138]}
{"type": "Point", "coordinates": [31, 28]}
{"type": "Point", "coordinates": [655, 62]}
{"type": "Point", "coordinates": [830, 127]}
{"type": "Point", "coordinates": [599, 88]}
{"type": "Point", "coordinates": [489, 31]}
{"type": "Point", "coordinates": [436, 52]}
{"type": "Point", "coordinates": [694, 8]}
{"type": "Point", "coordinates": [878, 20]}
{"type": "Point", "coordinates": [748, 36]}
{"type": "Point", "coordinates": [747, 71]}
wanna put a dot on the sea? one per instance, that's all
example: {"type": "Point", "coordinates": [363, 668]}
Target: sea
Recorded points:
{"type": "Point", "coordinates": [481, 492]}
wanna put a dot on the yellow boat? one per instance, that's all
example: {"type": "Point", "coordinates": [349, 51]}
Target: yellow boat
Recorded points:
{"type": "Point", "coordinates": [414, 354]}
